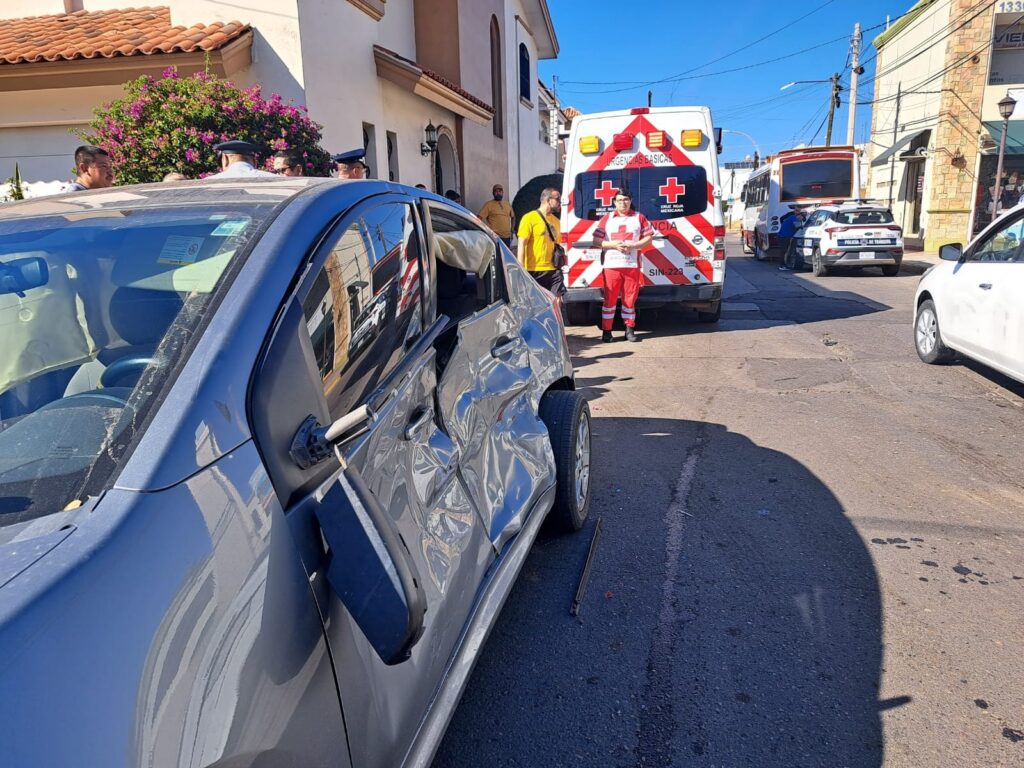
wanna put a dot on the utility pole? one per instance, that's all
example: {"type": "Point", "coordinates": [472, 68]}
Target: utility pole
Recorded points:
{"type": "Point", "coordinates": [854, 73]}
{"type": "Point", "coordinates": [895, 131]}
{"type": "Point", "coordinates": [833, 103]}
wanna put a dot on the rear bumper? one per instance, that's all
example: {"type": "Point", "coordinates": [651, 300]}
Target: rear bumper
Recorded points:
{"type": "Point", "coordinates": [702, 296]}
{"type": "Point", "coordinates": [852, 258]}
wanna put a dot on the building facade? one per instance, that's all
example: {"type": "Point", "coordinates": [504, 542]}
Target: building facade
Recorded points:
{"type": "Point", "coordinates": [940, 72]}
{"type": "Point", "coordinates": [373, 72]}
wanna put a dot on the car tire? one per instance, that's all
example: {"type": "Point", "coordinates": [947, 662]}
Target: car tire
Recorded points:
{"type": "Point", "coordinates": [759, 253]}
{"type": "Point", "coordinates": [567, 416]}
{"type": "Point", "coordinates": [710, 317]}
{"type": "Point", "coordinates": [891, 270]}
{"type": "Point", "coordinates": [743, 242]}
{"type": "Point", "coordinates": [928, 337]}
{"type": "Point", "coordinates": [818, 266]}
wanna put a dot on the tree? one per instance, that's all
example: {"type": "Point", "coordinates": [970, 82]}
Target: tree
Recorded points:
{"type": "Point", "coordinates": [171, 124]}
{"type": "Point", "coordinates": [15, 189]}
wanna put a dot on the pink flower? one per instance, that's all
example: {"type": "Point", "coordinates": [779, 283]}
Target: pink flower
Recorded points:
{"type": "Point", "coordinates": [191, 155]}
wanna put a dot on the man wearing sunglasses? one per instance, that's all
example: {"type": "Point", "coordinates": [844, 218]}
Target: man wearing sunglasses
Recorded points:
{"type": "Point", "coordinates": [288, 163]}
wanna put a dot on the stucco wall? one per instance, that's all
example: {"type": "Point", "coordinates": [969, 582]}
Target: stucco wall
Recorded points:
{"type": "Point", "coordinates": [35, 129]}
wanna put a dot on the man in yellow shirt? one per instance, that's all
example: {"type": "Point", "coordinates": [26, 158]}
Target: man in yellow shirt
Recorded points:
{"type": "Point", "coordinates": [499, 215]}
{"type": "Point", "coordinates": [538, 234]}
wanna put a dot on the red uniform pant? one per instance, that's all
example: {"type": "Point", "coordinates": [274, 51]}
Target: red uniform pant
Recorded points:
{"type": "Point", "coordinates": [625, 282]}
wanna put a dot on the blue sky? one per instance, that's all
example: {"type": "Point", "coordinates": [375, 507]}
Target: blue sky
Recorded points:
{"type": "Point", "coordinates": [623, 45]}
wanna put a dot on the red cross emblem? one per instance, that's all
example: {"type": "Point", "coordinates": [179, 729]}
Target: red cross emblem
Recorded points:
{"type": "Point", "coordinates": [671, 190]}
{"type": "Point", "coordinates": [606, 193]}
{"type": "Point", "coordinates": [622, 233]}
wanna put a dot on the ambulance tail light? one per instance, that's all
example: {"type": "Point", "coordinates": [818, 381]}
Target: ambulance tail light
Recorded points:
{"type": "Point", "coordinates": [622, 141]}
{"type": "Point", "coordinates": [589, 145]}
{"type": "Point", "coordinates": [657, 140]}
{"type": "Point", "coordinates": [692, 138]}
{"type": "Point", "coordinates": [640, 111]}
{"type": "Point", "coordinates": [719, 244]}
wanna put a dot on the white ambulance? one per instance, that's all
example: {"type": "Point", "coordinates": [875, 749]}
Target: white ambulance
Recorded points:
{"type": "Point", "coordinates": [667, 158]}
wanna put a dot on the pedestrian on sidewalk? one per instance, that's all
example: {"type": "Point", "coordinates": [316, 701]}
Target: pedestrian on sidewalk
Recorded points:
{"type": "Point", "coordinates": [499, 215]}
{"type": "Point", "coordinates": [621, 235]}
{"type": "Point", "coordinates": [539, 238]}
{"type": "Point", "coordinates": [94, 169]}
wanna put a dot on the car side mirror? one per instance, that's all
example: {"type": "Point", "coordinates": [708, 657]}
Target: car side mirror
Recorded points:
{"type": "Point", "coordinates": [20, 275]}
{"type": "Point", "coordinates": [951, 252]}
{"type": "Point", "coordinates": [370, 568]}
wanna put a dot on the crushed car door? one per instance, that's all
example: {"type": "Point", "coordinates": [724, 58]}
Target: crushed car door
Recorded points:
{"type": "Point", "coordinates": [358, 315]}
{"type": "Point", "coordinates": [484, 391]}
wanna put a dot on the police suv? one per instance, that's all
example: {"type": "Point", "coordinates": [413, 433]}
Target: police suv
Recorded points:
{"type": "Point", "coordinates": [853, 235]}
{"type": "Point", "coordinates": [667, 158]}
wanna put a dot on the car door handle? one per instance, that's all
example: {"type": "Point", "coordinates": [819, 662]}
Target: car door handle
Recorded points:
{"type": "Point", "coordinates": [418, 422]}
{"type": "Point", "coordinates": [505, 347]}
{"type": "Point", "coordinates": [985, 286]}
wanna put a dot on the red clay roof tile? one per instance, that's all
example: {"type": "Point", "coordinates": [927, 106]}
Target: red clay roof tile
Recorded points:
{"type": "Point", "coordinates": [106, 34]}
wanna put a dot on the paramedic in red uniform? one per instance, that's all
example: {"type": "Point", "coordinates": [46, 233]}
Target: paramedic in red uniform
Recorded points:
{"type": "Point", "coordinates": [621, 234]}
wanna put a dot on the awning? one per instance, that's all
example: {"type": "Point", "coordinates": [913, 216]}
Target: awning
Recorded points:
{"type": "Point", "coordinates": [1014, 136]}
{"type": "Point", "coordinates": [883, 158]}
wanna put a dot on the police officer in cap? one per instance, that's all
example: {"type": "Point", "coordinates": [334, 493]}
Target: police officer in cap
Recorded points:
{"type": "Point", "coordinates": [237, 160]}
{"type": "Point", "coordinates": [350, 164]}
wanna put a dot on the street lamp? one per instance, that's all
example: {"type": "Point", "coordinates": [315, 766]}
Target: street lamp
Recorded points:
{"type": "Point", "coordinates": [747, 136]}
{"type": "Point", "coordinates": [1006, 107]}
{"type": "Point", "coordinates": [430, 145]}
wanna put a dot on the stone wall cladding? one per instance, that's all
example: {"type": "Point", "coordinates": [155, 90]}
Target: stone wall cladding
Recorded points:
{"type": "Point", "coordinates": [963, 88]}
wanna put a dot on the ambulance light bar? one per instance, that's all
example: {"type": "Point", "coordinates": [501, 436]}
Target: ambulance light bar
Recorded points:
{"type": "Point", "coordinates": [622, 141]}
{"type": "Point", "coordinates": [657, 140]}
{"type": "Point", "coordinates": [693, 138]}
{"type": "Point", "coordinates": [589, 145]}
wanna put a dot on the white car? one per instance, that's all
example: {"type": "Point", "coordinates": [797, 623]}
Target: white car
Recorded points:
{"type": "Point", "coordinates": [973, 301]}
{"type": "Point", "coordinates": [848, 235]}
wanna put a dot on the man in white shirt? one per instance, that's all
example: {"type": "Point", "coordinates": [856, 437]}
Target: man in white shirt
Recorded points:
{"type": "Point", "coordinates": [237, 160]}
{"type": "Point", "coordinates": [621, 234]}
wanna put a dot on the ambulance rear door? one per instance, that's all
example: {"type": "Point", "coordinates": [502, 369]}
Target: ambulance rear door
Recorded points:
{"type": "Point", "coordinates": [666, 158]}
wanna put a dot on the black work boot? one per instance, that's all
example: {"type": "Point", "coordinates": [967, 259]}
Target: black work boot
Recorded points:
{"type": "Point", "coordinates": [630, 336]}
{"type": "Point", "coordinates": [606, 337]}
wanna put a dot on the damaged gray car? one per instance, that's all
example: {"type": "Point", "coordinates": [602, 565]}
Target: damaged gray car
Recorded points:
{"type": "Point", "coordinates": [272, 454]}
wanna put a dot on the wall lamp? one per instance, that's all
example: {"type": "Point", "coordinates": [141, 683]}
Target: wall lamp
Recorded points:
{"type": "Point", "coordinates": [430, 145]}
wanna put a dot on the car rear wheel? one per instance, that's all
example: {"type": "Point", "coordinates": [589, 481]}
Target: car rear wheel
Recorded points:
{"type": "Point", "coordinates": [567, 417]}
{"type": "Point", "coordinates": [711, 317]}
{"type": "Point", "coordinates": [891, 270]}
{"type": "Point", "coordinates": [818, 266]}
{"type": "Point", "coordinates": [928, 338]}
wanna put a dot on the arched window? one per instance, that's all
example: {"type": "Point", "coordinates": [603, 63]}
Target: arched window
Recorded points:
{"type": "Point", "coordinates": [498, 121]}
{"type": "Point", "coordinates": [524, 72]}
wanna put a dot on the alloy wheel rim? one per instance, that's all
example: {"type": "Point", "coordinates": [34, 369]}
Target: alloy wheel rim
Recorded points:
{"type": "Point", "coordinates": [582, 461]}
{"type": "Point", "coordinates": [927, 331]}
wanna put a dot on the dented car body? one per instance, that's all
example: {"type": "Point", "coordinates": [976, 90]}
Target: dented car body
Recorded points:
{"type": "Point", "coordinates": [272, 453]}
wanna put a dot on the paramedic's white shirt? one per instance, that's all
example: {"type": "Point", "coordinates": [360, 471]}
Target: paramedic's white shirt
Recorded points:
{"type": "Point", "coordinates": [633, 227]}
{"type": "Point", "coordinates": [238, 170]}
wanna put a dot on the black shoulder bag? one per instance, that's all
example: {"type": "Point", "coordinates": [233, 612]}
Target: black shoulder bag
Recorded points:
{"type": "Point", "coordinates": [558, 256]}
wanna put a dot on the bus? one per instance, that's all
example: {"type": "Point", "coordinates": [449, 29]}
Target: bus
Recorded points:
{"type": "Point", "coordinates": [794, 179]}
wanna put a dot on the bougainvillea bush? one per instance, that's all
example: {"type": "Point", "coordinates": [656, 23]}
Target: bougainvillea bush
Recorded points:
{"type": "Point", "coordinates": [171, 124]}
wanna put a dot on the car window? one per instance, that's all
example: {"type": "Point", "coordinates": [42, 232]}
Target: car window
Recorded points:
{"type": "Point", "coordinates": [1003, 245]}
{"type": "Point", "coordinates": [863, 217]}
{"type": "Point", "coordinates": [658, 193]}
{"type": "Point", "coordinates": [363, 309]}
{"type": "Point", "coordinates": [100, 312]}
{"type": "Point", "coordinates": [467, 279]}
{"type": "Point", "coordinates": [809, 179]}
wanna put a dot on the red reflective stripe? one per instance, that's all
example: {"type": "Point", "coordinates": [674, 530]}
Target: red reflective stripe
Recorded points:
{"type": "Point", "coordinates": [662, 262]}
{"type": "Point", "coordinates": [706, 269]}
{"type": "Point", "coordinates": [576, 270]}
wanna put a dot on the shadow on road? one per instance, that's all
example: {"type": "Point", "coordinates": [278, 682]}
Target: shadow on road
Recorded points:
{"type": "Point", "coordinates": [732, 618]}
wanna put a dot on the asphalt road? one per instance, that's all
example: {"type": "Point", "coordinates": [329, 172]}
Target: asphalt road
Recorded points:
{"type": "Point", "coordinates": [811, 551]}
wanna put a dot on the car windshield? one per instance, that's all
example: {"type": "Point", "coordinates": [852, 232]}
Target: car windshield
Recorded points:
{"type": "Point", "coordinates": [658, 193]}
{"type": "Point", "coordinates": [96, 310]}
{"type": "Point", "coordinates": [816, 180]}
{"type": "Point", "coordinates": [862, 217]}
